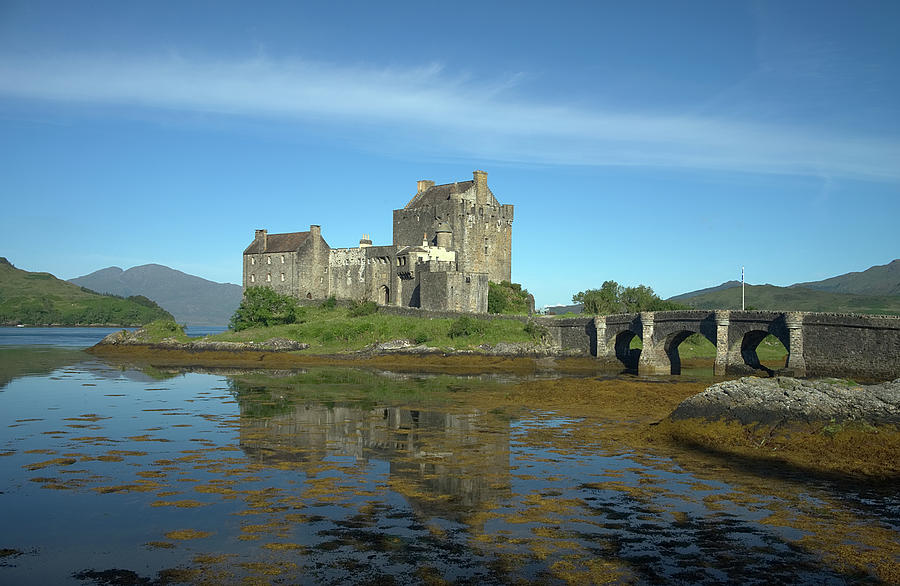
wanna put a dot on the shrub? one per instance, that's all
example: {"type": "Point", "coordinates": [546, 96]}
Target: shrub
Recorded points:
{"type": "Point", "coordinates": [329, 303]}
{"type": "Point", "coordinates": [537, 331]}
{"type": "Point", "coordinates": [262, 306]}
{"type": "Point", "coordinates": [506, 297]}
{"type": "Point", "coordinates": [465, 326]}
{"type": "Point", "coordinates": [361, 308]}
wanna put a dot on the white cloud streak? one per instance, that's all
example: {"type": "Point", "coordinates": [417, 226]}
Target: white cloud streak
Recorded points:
{"type": "Point", "coordinates": [459, 115]}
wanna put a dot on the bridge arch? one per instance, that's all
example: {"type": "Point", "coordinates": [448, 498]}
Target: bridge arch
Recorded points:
{"type": "Point", "coordinates": [627, 355]}
{"type": "Point", "coordinates": [745, 349]}
{"type": "Point", "coordinates": [671, 344]}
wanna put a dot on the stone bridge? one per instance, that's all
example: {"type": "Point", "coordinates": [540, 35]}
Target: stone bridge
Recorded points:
{"type": "Point", "coordinates": [818, 344]}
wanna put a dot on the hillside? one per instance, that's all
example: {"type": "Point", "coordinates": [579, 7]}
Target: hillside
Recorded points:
{"type": "Point", "coordinates": [794, 299]}
{"type": "Point", "coordinates": [193, 301]}
{"type": "Point", "coordinates": [42, 299]}
{"type": "Point", "coordinates": [725, 285]}
{"type": "Point", "coordinates": [877, 280]}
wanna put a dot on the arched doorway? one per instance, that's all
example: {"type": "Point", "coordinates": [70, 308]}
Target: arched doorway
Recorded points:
{"type": "Point", "coordinates": [384, 295]}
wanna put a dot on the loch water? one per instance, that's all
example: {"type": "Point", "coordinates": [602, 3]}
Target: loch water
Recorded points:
{"type": "Point", "coordinates": [117, 474]}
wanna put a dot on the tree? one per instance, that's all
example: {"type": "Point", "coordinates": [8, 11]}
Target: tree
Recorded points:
{"type": "Point", "coordinates": [262, 306]}
{"type": "Point", "coordinates": [613, 298]}
{"type": "Point", "coordinates": [602, 301]}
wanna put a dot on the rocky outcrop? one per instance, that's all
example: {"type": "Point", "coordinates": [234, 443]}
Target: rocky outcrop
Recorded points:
{"type": "Point", "coordinates": [140, 338]}
{"type": "Point", "coordinates": [510, 349]}
{"type": "Point", "coordinates": [779, 400]}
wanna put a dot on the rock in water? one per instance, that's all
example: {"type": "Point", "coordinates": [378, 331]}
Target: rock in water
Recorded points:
{"type": "Point", "coordinates": [781, 399]}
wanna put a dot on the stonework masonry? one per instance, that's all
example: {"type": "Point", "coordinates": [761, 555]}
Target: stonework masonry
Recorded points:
{"type": "Point", "coordinates": [448, 242]}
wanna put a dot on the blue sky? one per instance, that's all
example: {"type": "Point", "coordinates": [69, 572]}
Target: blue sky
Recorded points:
{"type": "Point", "coordinates": [664, 143]}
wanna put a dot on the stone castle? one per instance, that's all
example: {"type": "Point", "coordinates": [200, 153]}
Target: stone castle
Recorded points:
{"type": "Point", "coordinates": [449, 241]}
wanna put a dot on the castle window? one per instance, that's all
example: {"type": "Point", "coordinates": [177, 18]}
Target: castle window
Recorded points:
{"type": "Point", "coordinates": [282, 277]}
{"type": "Point", "coordinates": [252, 260]}
{"type": "Point", "coordinates": [468, 279]}
{"type": "Point", "coordinates": [282, 256]}
{"type": "Point", "coordinates": [268, 277]}
{"type": "Point", "coordinates": [252, 278]}
{"type": "Point", "coordinates": [268, 260]}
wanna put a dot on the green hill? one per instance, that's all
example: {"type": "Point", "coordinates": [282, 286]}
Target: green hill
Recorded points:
{"type": "Point", "coordinates": [877, 280]}
{"type": "Point", "coordinates": [191, 299]}
{"type": "Point", "coordinates": [42, 299]}
{"type": "Point", "coordinates": [794, 299]}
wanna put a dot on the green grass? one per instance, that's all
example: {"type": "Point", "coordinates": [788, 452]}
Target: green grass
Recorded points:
{"type": "Point", "coordinates": [165, 328]}
{"type": "Point", "coordinates": [332, 330]}
{"type": "Point", "coordinates": [42, 299]}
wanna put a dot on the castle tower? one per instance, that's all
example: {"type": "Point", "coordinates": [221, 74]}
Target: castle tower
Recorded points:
{"type": "Point", "coordinates": [480, 228]}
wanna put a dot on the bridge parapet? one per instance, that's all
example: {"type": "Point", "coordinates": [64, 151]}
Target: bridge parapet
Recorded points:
{"type": "Point", "coordinates": [818, 344]}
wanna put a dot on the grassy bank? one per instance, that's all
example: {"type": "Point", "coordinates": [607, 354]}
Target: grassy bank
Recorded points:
{"type": "Point", "coordinates": [332, 330]}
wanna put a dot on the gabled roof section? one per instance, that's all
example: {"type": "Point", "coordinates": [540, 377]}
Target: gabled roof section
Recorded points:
{"type": "Point", "coordinates": [289, 242]}
{"type": "Point", "coordinates": [437, 193]}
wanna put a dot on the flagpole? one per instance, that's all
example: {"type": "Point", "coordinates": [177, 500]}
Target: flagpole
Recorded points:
{"type": "Point", "coordinates": [742, 288]}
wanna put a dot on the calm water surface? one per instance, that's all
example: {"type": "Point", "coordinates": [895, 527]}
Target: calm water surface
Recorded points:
{"type": "Point", "coordinates": [111, 474]}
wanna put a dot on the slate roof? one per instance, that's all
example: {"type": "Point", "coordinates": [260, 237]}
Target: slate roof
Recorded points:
{"type": "Point", "coordinates": [437, 193]}
{"type": "Point", "coordinates": [289, 242]}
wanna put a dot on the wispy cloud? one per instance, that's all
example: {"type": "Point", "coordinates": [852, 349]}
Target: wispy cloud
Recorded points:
{"type": "Point", "coordinates": [460, 115]}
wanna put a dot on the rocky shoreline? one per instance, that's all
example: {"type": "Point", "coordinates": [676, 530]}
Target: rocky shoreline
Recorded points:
{"type": "Point", "coordinates": [401, 346]}
{"type": "Point", "coordinates": [784, 400]}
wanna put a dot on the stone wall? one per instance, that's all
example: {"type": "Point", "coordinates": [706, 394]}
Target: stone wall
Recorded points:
{"type": "Point", "coordinates": [277, 270]}
{"type": "Point", "coordinates": [481, 229]}
{"type": "Point", "coordinates": [818, 344]}
{"type": "Point", "coordinates": [862, 346]}
{"type": "Point", "coordinates": [312, 265]}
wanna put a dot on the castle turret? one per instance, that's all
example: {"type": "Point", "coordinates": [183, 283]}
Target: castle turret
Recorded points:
{"type": "Point", "coordinates": [443, 236]}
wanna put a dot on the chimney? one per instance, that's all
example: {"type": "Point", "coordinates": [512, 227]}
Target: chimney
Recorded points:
{"type": "Point", "coordinates": [365, 241]}
{"type": "Point", "coordinates": [481, 188]}
{"type": "Point", "coordinates": [315, 231]}
{"type": "Point", "coordinates": [262, 235]}
{"type": "Point", "coordinates": [423, 185]}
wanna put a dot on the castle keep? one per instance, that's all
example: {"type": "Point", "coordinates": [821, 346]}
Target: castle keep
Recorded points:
{"type": "Point", "coordinates": [449, 241]}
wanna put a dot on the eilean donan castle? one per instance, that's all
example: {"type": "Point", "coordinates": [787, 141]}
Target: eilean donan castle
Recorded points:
{"type": "Point", "coordinates": [449, 241]}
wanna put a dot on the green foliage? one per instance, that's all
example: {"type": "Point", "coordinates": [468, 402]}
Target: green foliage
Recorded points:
{"type": "Point", "coordinates": [613, 298]}
{"type": "Point", "coordinates": [42, 299]}
{"type": "Point", "coordinates": [263, 306]}
{"type": "Point", "coordinates": [164, 328]}
{"type": "Point", "coordinates": [506, 297]}
{"type": "Point", "coordinates": [465, 326]}
{"type": "Point", "coordinates": [333, 331]}
{"type": "Point", "coordinates": [329, 303]}
{"type": "Point", "coordinates": [536, 330]}
{"type": "Point", "coordinates": [361, 308]}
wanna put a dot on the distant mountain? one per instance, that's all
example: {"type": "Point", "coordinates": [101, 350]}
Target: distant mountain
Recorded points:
{"type": "Point", "coordinates": [725, 285]}
{"type": "Point", "coordinates": [877, 280]}
{"type": "Point", "coordinates": [193, 301]}
{"type": "Point", "coordinates": [794, 299]}
{"type": "Point", "coordinates": [41, 299]}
